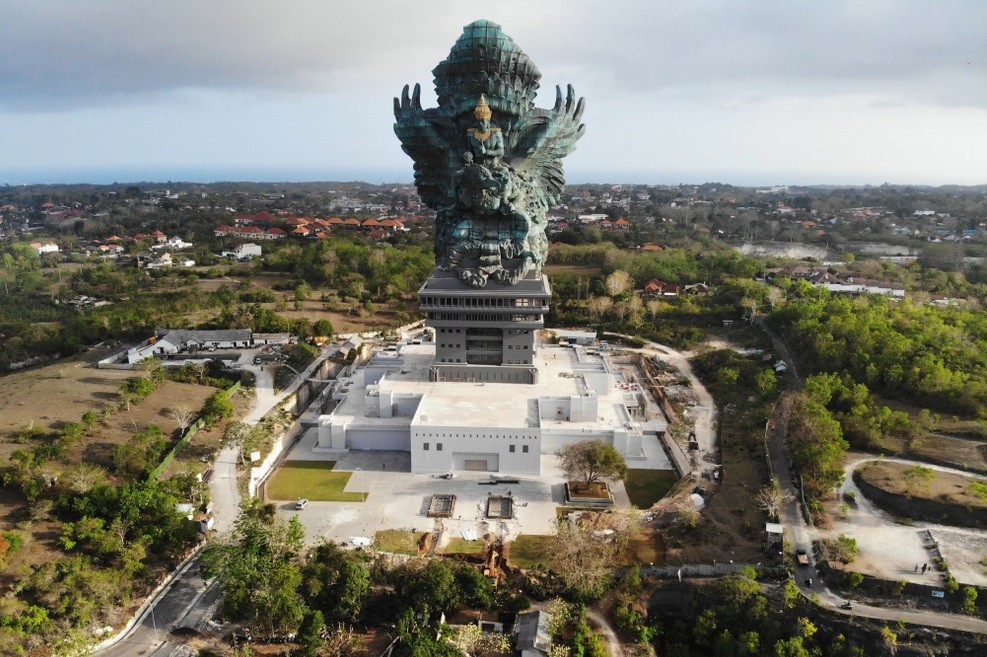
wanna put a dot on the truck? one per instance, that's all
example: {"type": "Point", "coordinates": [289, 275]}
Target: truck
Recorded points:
{"type": "Point", "coordinates": [801, 557]}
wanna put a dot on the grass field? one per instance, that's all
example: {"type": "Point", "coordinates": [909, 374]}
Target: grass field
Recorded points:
{"type": "Point", "coordinates": [398, 541]}
{"type": "Point", "coordinates": [529, 550]}
{"type": "Point", "coordinates": [645, 487]}
{"type": "Point", "coordinates": [314, 480]}
{"type": "Point", "coordinates": [459, 545]}
{"type": "Point", "coordinates": [52, 395]}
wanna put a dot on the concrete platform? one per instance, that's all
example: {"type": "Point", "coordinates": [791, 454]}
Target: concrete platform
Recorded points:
{"type": "Point", "coordinates": [398, 499]}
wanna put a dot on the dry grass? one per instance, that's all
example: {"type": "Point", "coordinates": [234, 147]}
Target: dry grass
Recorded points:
{"type": "Point", "coordinates": [942, 487]}
{"type": "Point", "coordinates": [399, 541]}
{"type": "Point", "coordinates": [55, 394]}
{"type": "Point", "coordinates": [120, 426]}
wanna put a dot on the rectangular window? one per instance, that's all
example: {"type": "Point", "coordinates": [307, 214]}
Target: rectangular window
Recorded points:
{"type": "Point", "coordinates": [524, 448]}
{"type": "Point", "coordinates": [511, 449]}
{"type": "Point", "coordinates": [438, 447]}
{"type": "Point", "coordinates": [425, 447]}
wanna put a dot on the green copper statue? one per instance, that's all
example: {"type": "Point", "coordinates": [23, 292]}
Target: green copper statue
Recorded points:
{"type": "Point", "coordinates": [486, 159]}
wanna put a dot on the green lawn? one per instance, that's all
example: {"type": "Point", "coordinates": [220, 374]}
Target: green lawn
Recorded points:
{"type": "Point", "coordinates": [459, 545]}
{"type": "Point", "coordinates": [645, 487]}
{"type": "Point", "coordinates": [398, 541]}
{"type": "Point", "coordinates": [529, 550]}
{"type": "Point", "coordinates": [314, 480]}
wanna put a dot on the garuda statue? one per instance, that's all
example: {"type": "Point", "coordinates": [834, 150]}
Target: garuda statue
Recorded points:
{"type": "Point", "coordinates": [486, 159]}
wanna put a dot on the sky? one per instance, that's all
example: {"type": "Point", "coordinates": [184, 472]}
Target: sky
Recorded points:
{"type": "Point", "coordinates": [750, 93]}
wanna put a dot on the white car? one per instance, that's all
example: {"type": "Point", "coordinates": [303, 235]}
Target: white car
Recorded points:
{"type": "Point", "coordinates": [301, 504]}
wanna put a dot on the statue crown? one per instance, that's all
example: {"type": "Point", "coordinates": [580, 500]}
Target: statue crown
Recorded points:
{"type": "Point", "coordinates": [482, 110]}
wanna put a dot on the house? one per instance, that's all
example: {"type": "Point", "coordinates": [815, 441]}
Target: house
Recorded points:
{"type": "Point", "coordinates": [622, 224]}
{"type": "Point", "coordinates": [164, 260]}
{"type": "Point", "coordinates": [175, 243]}
{"type": "Point", "coordinates": [392, 225]}
{"type": "Point", "coordinates": [531, 635]}
{"type": "Point", "coordinates": [651, 247]}
{"type": "Point", "coordinates": [657, 288]}
{"type": "Point", "coordinates": [176, 340]}
{"type": "Point", "coordinates": [49, 247]}
{"type": "Point", "coordinates": [261, 339]}
{"type": "Point", "coordinates": [159, 237]}
{"type": "Point", "coordinates": [244, 251]}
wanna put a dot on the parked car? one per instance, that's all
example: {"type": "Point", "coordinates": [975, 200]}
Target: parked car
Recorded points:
{"type": "Point", "coordinates": [301, 504]}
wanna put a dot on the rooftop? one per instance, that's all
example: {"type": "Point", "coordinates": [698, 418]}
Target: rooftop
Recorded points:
{"type": "Point", "coordinates": [563, 373]}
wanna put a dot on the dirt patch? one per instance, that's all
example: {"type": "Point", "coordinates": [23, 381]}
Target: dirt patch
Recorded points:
{"type": "Point", "coordinates": [939, 497]}
{"type": "Point", "coordinates": [344, 320]}
{"type": "Point", "coordinates": [55, 394]}
{"type": "Point", "coordinates": [120, 426]}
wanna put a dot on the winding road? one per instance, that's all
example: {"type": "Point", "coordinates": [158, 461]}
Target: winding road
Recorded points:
{"type": "Point", "coordinates": [800, 534]}
{"type": "Point", "coordinates": [185, 599]}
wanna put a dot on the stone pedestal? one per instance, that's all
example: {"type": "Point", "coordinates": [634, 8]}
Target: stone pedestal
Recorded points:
{"type": "Point", "coordinates": [486, 334]}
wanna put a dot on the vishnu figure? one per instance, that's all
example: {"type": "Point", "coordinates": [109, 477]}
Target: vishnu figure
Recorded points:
{"type": "Point", "coordinates": [486, 141]}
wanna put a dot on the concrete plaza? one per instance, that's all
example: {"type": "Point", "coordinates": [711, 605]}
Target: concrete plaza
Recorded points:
{"type": "Point", "coordinates": [398, 499]}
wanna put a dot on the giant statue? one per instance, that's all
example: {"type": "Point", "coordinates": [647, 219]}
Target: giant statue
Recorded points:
{"type": "Point", "coordinates": [486, 159]}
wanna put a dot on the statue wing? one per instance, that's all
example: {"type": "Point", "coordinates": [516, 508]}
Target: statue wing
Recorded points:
{"type": "Point", "coordinates": [539, 140]}
{"type": "Point", "coordinates": [428, 137]}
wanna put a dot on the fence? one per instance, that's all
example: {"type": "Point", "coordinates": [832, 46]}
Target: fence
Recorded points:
{"type": "Point", "coordinates": [186, 439]}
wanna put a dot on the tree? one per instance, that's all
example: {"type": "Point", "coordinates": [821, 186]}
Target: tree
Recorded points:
{"type": "Point", "coordinates": [183, 417]}
{"type": "Point", "coordinates": [918, 477]}
{"type": "Point", "coordinates": [258, 570]}
{"type": "Point", "coordinates": [618, 283]}
{"type": "Point", "coordinates": [844, 548]}
{"type": "Point", "coordinates": [311, 635]}
{"type": "Point", "coordinates": [773, 497]}
{"type": "Point", "coordinates": [323, 328]}
{"type": "Point", "coordinates": [819, 445]}
{"type": "Point", "coordinates": [217, 407]}
{"type": "Point", "coordinates": [583, 558]}
{"type": "Point", "coordinates": [82, 477]}
{"type": "Point", "coordinates": [591, 461]}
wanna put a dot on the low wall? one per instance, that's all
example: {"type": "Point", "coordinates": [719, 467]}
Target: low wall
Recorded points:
{"type": "Point", "coordinates": [918, 508]}
{"type": "Point", "coordinates": [282, 444]}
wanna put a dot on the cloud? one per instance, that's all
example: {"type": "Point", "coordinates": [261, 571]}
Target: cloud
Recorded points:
{"type": "Point", "coordinates": [60, 54]}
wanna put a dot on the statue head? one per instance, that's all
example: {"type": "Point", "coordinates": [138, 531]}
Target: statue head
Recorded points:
{"type": "Point", "coordinates": [482, 112]}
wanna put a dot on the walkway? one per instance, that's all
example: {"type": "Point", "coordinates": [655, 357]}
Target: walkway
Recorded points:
{"type": "Point", "coordinates": [800, 534]}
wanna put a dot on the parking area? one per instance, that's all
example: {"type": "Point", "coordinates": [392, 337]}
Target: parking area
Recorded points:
{"type": "Point", "coordinates": [891, 549]}
{"type": "Point", "coordinates": [398, 499]}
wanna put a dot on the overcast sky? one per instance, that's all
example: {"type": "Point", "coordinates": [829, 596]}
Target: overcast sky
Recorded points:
{"type": "Point", "coordinates": [756, 92]}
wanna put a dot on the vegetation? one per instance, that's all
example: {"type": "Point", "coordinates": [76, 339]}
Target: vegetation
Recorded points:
{"type": "Point", "coordinates": [314, 480]}
{"type": "Point", "coordinates": [591, 461]}
{"type": "Point", "coordinates": [818, 446]}
{"type": "Point", "coordinates": [914, 352]}
{"type": "Point", "coordinates": [645, 487]}
{"type": "Point", "coordinates": [843, 549]}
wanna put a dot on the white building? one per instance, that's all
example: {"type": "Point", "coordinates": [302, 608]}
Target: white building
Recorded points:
{"type": "Point", "coordinates": [174, 243]}
{"type": "Point", "coordinates": [476, 426]}
{"type": "Point", "coordinates": [244, 251]}
{"type": "Point", "coordinates": [174, 341]}
{"type": "Point", "coordinates": [49, 247]}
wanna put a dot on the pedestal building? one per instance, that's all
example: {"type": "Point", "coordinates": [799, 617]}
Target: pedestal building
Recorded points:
{"type": "Point", "coordinates": [484, 335]}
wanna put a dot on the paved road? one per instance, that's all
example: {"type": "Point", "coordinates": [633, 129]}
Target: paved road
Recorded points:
{"type": "Point", "coordinates": [173, 605]}
{"type": "Point", "coordinates": [614, 647]}
{"type": "Point", "coordinates": [800, 534]}
{"type": "Point", "coordinates": [186, 599]}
